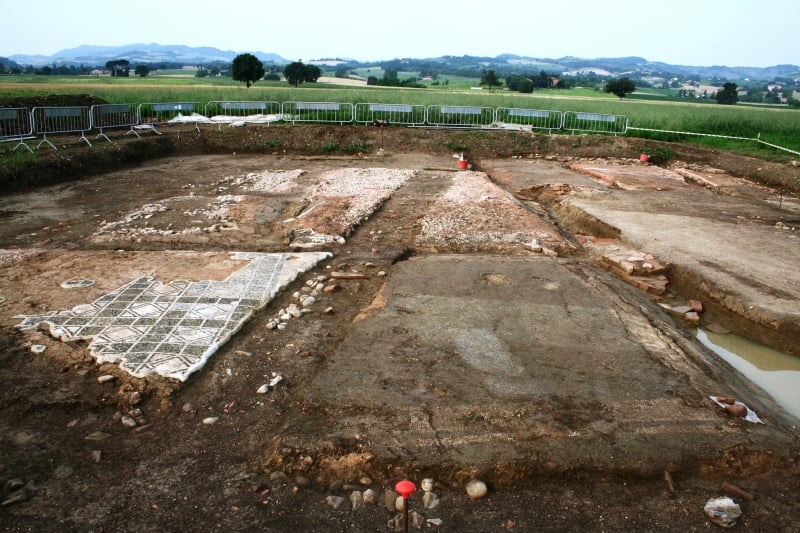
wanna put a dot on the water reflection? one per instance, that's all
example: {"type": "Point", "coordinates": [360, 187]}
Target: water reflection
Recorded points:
{"type": "Point", "coordinates": [775, 372]}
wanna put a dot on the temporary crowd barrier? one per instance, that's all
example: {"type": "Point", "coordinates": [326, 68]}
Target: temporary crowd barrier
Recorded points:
{"type": "Point", "coordinates": [16, 125]}
{"type": "Point", "coordinates": [21, 124]}
{"type": "Point", "coordinates": [55, 120]}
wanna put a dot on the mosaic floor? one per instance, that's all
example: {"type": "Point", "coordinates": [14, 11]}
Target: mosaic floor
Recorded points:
{"type": "Point", "coordinates": [172, 329]}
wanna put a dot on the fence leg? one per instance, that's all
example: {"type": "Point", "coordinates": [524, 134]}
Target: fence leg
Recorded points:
{"type": "Point", "coordinates": [46, 141]}
{"type": "Point", "coordinates": [83, 138]}
{"type": "Point", "coordinates": [103, 135]}
{"type": "Point", "coordinates": [22, 143]}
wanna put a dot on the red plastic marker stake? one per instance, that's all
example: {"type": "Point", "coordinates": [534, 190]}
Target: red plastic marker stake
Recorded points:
{"type": "Point", "coordinates": [405, 488]}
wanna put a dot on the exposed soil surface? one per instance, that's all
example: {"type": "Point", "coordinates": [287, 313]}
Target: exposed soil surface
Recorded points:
{"type": "Point", "coordinates": [472, 330]}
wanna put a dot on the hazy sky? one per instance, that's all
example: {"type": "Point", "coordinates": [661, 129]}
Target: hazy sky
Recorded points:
{"type": "Point", "coordinates": [688, 32]}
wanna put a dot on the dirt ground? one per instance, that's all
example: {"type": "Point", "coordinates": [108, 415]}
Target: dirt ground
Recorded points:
{"type": "Point", "coordinates": [473, 332]}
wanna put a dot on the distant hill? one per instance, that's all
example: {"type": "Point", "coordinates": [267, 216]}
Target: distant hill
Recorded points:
{"type": "Point", "coordinates": [90, 55]}
{"type": "Point", "coordinates": [139, 53]}
{"type": "Point", "coordinates": [633, 64]}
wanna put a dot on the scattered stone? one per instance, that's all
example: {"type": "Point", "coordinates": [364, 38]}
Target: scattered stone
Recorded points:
{"type": "Point", "coordinates": [476, 489]}
{"type": "Point", "coordinates": [336, 485]}
{"type": "Point", "coordinates": [328, 310]}
{"type": "Point", "coordinates": [128, 421]}
{"type": "Point", "coordinates": [369, 497]}
{"type": "Point", "coordinates": [434, 521]}
{"type": "Point", "coordinates": [278, 476]}
{"type": "Point", "coordinates": [210, 420]}
{"type": "Point", "coordinates": [77, 283]}
{"type": "Point", "coordinates": [97, 436]}
{"type": "Point", "coordinates": [692, 318]}
{"type": "Point", "coordinates": [348, 275]}
{"type": "Point", "coordinates": [430, 500]}
{"type": "Point", "coordinates": [187, 407]}
{"type": "Point", "coordinates": [334, 502]}
{"type": "Point", "coordinates": [357, 500]}
{"type": "Point", "coordinates": [381, 274]}
{"type": "Point", "coordinates": [738, 410]}
{"type": "Point", "coordinates": [680, 310]}
{"type": "Point", "coordinates": [263, 389]}
{"type": "Point", "coordinates": [63, 472]}
{"type": "Point", "coordinates": [736, 490]}
{"type": "Point", "coordinates": [669, 481]}
{"type": "Point", "coordinates": [417, 520]}
{"type": "Point", "coordinates": [348, 487]}
{"type": "Point", "coordinates": [243, 353]}
{"type": "Point", "coordinates": [396, 523]}
{"type": "Point", "coordinates": [302, 481]}
{"type": "Point", "coordinates": [19, 496]}
{"type": "Point", "coordinates": [723, 511]}
{"type": "Point", "coordinates": [696, 305]}
{"type": "Point", "coordinates": [106, 378]}
{"type": "Point", "coordinates": [399, 503]}
{"type": "Point", "coordinates": [365, 480]}
{"type": "Point", "coordinates": [547, 252]}
{"type": "Point", "coordinates": [389, 500]}
{"type": "Point", "coordinates": [533, 246]}
{"type": "Point", "coordinates": [14, 484]}
{"type": "Point", "coordinates": [38, 348]}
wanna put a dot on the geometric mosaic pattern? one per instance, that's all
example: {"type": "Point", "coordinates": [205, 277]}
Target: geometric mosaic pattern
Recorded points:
{"type": "Point", "coordinates": [171, 329]}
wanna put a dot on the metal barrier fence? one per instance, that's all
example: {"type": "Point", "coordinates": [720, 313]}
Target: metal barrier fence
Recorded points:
{"type": "Point", "coordinates": [55, 120]}
{"type": "Point", "coordinates": [595, 122]}
{"type": "Point", "coordinates": [156, 114]}
{"type": "Point", "coordinates": [531, 118]}
{"type": "Point", "coordinates": [459, 116]}
{"type": "Point", "coordinates": [331, 112]}
{"type": "Point", "coordinates": [21, 124]}
{"type": "Point", "coordinates": [407, 115]}
{"type": "Point", "coordinates": [16, 125]}
{"type": "Point", "coordinates": [114, 116]}
{"type": "Point", "coordinates": [235, 112]}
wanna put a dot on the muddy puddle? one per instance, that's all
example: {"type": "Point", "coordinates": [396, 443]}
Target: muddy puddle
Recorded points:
{"type": "Point", "coordinates": [777, 373]}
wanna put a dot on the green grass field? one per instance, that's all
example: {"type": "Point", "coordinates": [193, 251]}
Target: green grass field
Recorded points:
{"type": "Point", "coordinates": [778, 125]}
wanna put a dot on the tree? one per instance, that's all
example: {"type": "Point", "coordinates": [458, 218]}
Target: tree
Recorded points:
{"type": "Point", "coordinates": [142, 70]}
{"type": "Point", "coordinates": [312, 73]}
{"type": "Point", "coordinates": [247, 69]}
{"type": "Point", "coordinates": [295, 73]}
{"type": "Point", "coordinates": [542, 80]}
{"type": "Point", "coordinates": [119, 67]}
{"type": "Point", "coordinates": [489, 77]}
{"type": "Point", "coordinates": [525, 86]}
{"type": "Point", "coordinates": [728, 95]}
{"type": "Point", "coordinates": [620, 87]}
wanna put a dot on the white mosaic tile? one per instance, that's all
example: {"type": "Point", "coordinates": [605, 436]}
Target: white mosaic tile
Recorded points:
{"type": "Point", "coordinates": [171, 329]}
